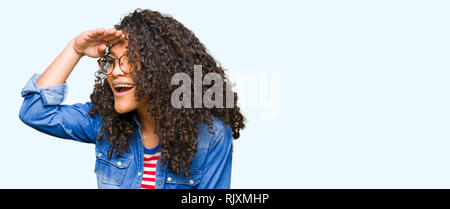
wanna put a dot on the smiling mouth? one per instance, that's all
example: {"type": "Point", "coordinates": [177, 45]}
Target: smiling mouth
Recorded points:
{"type": "Point", "coordinates": [123, 88]}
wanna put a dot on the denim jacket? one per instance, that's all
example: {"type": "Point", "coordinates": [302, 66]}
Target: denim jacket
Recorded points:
{"type": "Point", "coordinates": [211, 166]}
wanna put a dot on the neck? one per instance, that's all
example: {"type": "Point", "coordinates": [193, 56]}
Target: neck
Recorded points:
{"type": "Point", "coordinates": [148, 125]}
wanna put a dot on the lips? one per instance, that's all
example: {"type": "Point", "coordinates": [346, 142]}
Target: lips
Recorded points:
{"type": "Point", "coordinates": [121, 88]}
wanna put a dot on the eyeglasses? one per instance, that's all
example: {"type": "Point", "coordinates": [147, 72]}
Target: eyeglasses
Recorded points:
{"type": "Point", "coordinates": [126, 64]}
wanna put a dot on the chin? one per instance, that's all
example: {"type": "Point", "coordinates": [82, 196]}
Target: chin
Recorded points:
{"type": "Point", "coordinates": [123, 108]}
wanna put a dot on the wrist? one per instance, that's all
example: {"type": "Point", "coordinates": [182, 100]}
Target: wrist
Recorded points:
{"type": "Point", "coordinates": [71, 45]}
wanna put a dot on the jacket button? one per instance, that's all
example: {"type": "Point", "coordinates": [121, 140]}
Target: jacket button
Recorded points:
{"type": "Point", "coordinates": [159, 183]}
{"type": "Point", "coordinates": [139, 173]}
{"type": "Point", "coordinates": [119, 163]}
{"type": "Point", "coordinates": [99, 155]}
{"type": "Point", "coordinates": [169, 179]}
{"type": "Point", "coordinates": [191, 181]}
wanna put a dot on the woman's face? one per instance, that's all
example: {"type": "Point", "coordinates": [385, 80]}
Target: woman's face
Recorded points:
{"type": "Point", "coordinates": [121, 82]}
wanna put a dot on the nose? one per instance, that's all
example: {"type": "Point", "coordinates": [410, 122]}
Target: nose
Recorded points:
{"type": "Point", "coordinates": [116, 71]}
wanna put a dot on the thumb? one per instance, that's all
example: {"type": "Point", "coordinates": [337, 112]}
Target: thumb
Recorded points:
{"type": "Point", "coordinates": [102, 49]}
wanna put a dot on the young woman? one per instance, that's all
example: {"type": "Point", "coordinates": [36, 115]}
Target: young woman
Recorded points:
{"type": "Point", "coordinates": [141, 140]}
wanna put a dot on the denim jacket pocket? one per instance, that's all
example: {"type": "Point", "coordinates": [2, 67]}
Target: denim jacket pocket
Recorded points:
{"type": "Point", "coordinates": [179, 181]}
{"type": "Point", "coordinates": [111, 170]}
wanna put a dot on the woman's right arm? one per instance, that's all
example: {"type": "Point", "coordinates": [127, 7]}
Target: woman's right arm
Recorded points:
{"type": "Point", "coordinates": [43, 94]}
{"type": "Point", "coordinates": [91, 43]}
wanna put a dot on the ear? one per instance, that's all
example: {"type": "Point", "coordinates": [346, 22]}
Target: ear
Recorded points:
{"type": "Point", "coordinates": [138, 62]}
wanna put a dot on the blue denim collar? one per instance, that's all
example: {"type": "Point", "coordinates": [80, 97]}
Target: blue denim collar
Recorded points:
{"type": "Point", "coordinates": [138, 123]}
{"type": "Point", "coordinates": [136, 119]}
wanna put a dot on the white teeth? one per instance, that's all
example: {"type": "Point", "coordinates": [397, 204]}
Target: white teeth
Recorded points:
{"type": "Point", "coordinates": [123, 86]}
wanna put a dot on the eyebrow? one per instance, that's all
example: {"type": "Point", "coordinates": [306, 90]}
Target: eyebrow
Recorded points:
{"type": "Point", "coordinates": [111, 52]}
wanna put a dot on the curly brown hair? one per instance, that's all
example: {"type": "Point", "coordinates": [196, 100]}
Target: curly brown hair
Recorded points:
{"type": "Point", "coordinates": [165, 48]}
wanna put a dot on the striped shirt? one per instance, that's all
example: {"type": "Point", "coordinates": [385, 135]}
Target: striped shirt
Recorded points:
{"type": "Point", "coordinates": [151, 156]}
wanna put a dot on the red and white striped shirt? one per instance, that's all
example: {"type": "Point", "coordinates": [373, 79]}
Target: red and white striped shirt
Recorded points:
{"type": "Point", "coordinates": [151, 156]}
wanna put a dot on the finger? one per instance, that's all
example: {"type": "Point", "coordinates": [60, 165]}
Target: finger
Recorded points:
{"type": "Point", "coordinates": [108, 32]}
{"type": "Point", "coordinates": [96, 32]}
{"type": "Point", "coordinates": [115, 41]}
{"type": "Point", "coordinates": [116, 35]}
{"type": "Point", "coordinates": [102, 49]}
{"type": "Point", "coordinates": [98, 35]}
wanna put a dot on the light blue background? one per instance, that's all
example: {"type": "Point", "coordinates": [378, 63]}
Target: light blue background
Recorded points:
{"type": "Point", "coordinates": [363, 102]}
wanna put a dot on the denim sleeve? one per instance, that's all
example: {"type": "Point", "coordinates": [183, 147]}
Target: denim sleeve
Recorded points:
{"type": "Point", "coordinates": [217, 172]}
{"type": "Point", "coordinates": [42, 110]}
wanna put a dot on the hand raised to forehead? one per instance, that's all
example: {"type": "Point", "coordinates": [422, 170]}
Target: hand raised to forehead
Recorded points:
{"type": "Point", "coordinates": [93, 43]}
